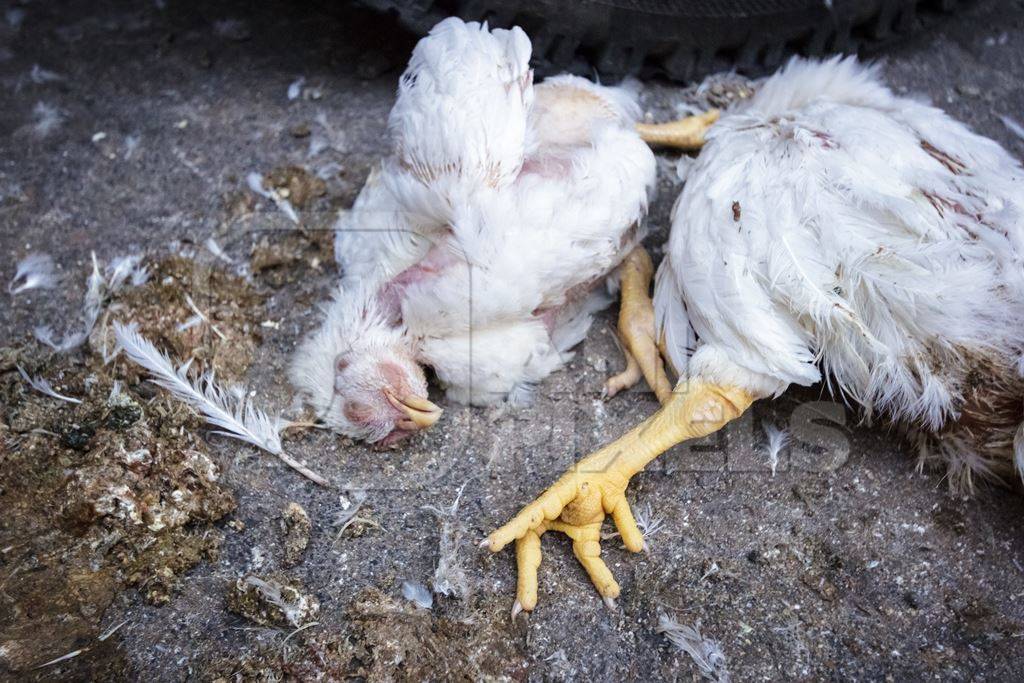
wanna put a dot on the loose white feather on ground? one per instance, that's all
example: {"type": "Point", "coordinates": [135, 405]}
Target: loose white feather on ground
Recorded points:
{"type": "Point", "coordinates": [120, 271]}
{"type": "Point", "coordinates": [33, 272]}
{"type": "Point", "coordinates": [647, 522]}
{"type": "Point", "coordinates": [777, 440]}
{"type": "Point", "coordinates": [417, 594]}
{"type": "Point", "coordinates": [450, 577]}
{"type": "Point", "coordinates": [43, 386]}
{"type": "Point", "coordinates": [255, 182]}
{"type": "Point", "coordinates": [215, 249]}
{"type": "Point", "coordinates": [706, 654]}
{"type": "Point", "coordinates": [235, 416]}
{"type": "Point", "coordinates": [47, 119]}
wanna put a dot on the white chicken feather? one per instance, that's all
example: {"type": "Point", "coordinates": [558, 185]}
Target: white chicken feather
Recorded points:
{"type": "Point", "coordinates": [832, 229]}
{"type": "Point", "coordinates": [484, 241]}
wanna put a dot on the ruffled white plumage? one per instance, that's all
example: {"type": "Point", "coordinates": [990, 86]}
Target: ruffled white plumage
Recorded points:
{"type": "Point", "coordinates": [509, 224]}
{"type": "Point", "coordinates": [831, 229]}
{"type": "Point", "coordinates": [462, 103]}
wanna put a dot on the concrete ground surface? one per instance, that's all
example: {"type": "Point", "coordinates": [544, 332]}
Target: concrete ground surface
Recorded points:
{"type": "Point", "coordinates": [847, 563]}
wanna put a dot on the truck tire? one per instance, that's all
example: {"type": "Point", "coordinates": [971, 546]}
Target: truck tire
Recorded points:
{"type": "Point", "coordinates": [681, 39]}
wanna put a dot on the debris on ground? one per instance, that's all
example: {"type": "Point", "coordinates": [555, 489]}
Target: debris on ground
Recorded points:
{"type": "Point", "coordinates": [228, 302]}
{"type": "Point", "coordinates": [282, 258]}
{"type": "Point", "coordinates": [255, 182]}
{"type": "Point", "coordinates": [101, 287]}
{"type": "Point", "coordinates": [382, 640]}
{"type": "Point", "coordinates": [296, 184]}
{"type": "Point", "coordinates": [272, 601]}
{"type": "Point", "coordinates": [718, 91]}
{"type": "Point", "coordinates": [354, 516]}
{"type": "Point", "coordinates": [296, 526]}
{"type": "Point", "coordinates": [115, 488]}
{"type": "Point", "coordinates": [98, 496]}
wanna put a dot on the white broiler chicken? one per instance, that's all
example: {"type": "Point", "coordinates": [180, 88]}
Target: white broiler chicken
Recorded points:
{"type": "Point", "coordinates": [481, 247]}
{"type": "Point", "coordinates": [828, 230]}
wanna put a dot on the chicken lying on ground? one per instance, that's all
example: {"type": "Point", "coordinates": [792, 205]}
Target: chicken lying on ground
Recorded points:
{"type": "Point", "coordinates": [482, 245]}
{"type": "Point", "coordinates": [827, 229]}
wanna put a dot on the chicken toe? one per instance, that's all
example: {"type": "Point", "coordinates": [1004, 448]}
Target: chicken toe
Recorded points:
{"type": "Point", "coordinates": [636, 330]}
{"type": "Point", "coordinates": [579, 501]}
{"type": "Point", "coordinates": [686, 133]}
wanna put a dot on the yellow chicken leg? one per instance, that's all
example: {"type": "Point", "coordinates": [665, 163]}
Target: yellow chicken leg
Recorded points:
{"type": "Point", "coordinates": [687, 133]}
{"type": "Point", "coordinates": [578, 502]}
{"type": "Point", "coordinates": [636, 330]}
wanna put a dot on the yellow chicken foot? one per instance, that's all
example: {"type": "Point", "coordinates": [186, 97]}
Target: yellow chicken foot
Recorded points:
{"type": "Point", "coordinates": [636, 330]}
{"type": "Point", "coordinates": [687, 133]}
{"type": "Point", "coordinates": [578, 502]}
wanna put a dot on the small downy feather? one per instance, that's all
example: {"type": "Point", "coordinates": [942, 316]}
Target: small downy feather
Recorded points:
{"type": "Point", "coordinates": [44, 334]}
{"type": "Point", "coordinates": [255, 182]}
{"type": "Point", "coordinates": [33, 271]}
{"type": "Point", "coordinates": [450, 577]}
{"type": "Point", "coordinates": [647, 522]}
{"type": "Point", "coordinates": [229, 410]}
{"type": "Point", "coordinates": [125, 269]}
{"type": "Point", "coordinates": [706, 653]}
{"type": "Point", "coordinates": [417, 593]}
{"type": "Point", "coordinates": [777, 440]}
{"type": "Point", "coordinates": [121, 270]}
{"type": "Point", "coordinates": [215, 249]}
{"type": "Point", "coordinates": [47, 119]}
{"type": "Point", "coordinates": [43, 386]}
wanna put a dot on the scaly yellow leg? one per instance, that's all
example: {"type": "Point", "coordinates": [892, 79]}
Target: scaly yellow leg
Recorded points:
{"type": "Point", "coordinates": [636, 330]}
{"type": "Point", "coordinates": [578, 502]}
{"type": "Point", "coordinates": [687, 133]}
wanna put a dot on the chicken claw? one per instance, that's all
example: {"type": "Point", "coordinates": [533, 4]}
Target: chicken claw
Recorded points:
{"type": "Point", "coordinates": [637, 331]}
{"type": "Point", "coordinates": [580, 519]}
{"type": "Point", "coordinates": [687, 133]}
{"type": "Point", "coordinates": [595, 487]}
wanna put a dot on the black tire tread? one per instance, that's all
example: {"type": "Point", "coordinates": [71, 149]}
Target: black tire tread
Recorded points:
{"type": "Point", "coordinates": [682, 39]}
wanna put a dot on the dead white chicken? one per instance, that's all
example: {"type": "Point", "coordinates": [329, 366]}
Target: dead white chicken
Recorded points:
{"type": "Point", "coordinates": [483, 245]}
{"type": "Point", "coordinates": [828, 230]}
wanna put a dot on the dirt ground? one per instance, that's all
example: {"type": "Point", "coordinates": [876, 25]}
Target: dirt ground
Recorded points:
{"type": "Point", "coordinates": [132, 128]}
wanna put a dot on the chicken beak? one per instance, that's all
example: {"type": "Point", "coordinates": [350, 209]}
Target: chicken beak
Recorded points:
{"type": "Point", "coordinates": [420, 412]}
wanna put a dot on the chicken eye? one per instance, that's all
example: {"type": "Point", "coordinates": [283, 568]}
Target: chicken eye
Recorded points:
{"type": "Point", "coordinates": [341, 364]}
{"type": "Point", "coordinates": [356, 411]}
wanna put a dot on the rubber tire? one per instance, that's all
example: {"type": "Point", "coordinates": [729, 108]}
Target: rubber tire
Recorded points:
{"type": "Point", "coordinates": [681, 39]}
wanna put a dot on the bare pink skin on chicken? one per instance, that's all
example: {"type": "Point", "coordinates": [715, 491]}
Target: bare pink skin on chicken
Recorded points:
{"type": "Point", "coordinates": [555, 166]}
{"type": "Point", "coordinates": [383, 390]}
{"type": "Point", "coordinates": [383, 395]}
{"type": "Point", "coordinates": [436, 261]}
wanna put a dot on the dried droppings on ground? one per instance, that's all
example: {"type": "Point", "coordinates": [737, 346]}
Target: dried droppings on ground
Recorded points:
{"type": "Point", "coordinates": [119, 490]}
{"type": "Point", "coordinates": [296, 184]}
{"type": "Point", "coordinates": [272, 601]}
{"type": "Point", "coordinates": [382, 640]}
{"type": "Point", "coordinates": [97, 497]}
{"type": "Point", "coordinates": [281, 258]}
{"type": "Point", "coordinates": [295, 526]}
{"type": "Point", "coordinates": [192, 310]}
